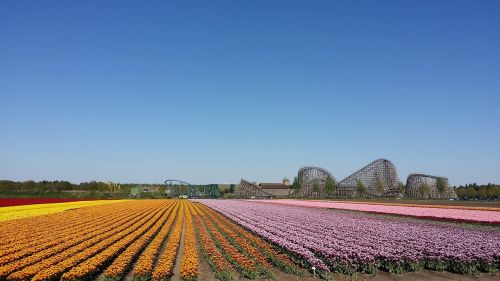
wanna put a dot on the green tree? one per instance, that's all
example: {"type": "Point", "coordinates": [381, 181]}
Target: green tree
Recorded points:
{"type": "Point", "coordinates": [360, 188]}
{"type": "Point", "coordinates": [424, 190]}
{"type": "Point", "coordinates": [471, 192]}
{"type": "Point", "coordinates": [401, 187]}
{"type": "Point", "coordinates": [296, 183]}
{"type": "Point", "coordinates": [441, 185]}
{"type": "Point", "coordinates": [482, 192]}
{"type": "Point", "coordinates": [329, 186]}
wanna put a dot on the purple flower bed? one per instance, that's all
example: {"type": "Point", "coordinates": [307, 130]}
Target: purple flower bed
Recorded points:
{"type": "Point", "coordinates": [347, 243]}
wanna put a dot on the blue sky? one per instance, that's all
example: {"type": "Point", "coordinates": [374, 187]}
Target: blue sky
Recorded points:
{"type": "Point", "coordinates": [213, 91]}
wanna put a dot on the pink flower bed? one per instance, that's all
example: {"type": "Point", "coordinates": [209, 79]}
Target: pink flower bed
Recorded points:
{"type": "Point", "coordinates": [478, 216]}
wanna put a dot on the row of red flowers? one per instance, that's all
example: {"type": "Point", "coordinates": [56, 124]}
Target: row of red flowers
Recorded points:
{"type": "Point", "coordinates": [6, 202]}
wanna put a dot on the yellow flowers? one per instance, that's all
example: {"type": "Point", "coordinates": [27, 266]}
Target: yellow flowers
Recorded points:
{"type": "Point", "coordinates": [27, 211]}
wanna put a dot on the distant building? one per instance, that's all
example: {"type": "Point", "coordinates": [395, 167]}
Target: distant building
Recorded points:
{"type": "Point", "coordinates": [277, 189]}
{"type": "Point", "coordinates": [248, 189]}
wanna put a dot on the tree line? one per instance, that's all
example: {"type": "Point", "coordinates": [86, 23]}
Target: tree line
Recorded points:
{"type": "Point", "coordinates": [473, 191]}
{"type": "Point", "coordinates": [59, 186]}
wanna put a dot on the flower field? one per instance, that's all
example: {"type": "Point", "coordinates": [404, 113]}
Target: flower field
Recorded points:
{"type": "Point", "coordinates": [134, 240]}
{"type": "Point", "coordinates": [167, 239]}
{"type": "Point", "coordinates": [348, 243]}
{"type": "Point", "coordinates": [449, 214]}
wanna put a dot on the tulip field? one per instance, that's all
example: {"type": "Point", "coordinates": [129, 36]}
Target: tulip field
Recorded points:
{"type": "Point", "coordinates": [348, 243]}
{"type": "Point", "coordinates": [178, 239]}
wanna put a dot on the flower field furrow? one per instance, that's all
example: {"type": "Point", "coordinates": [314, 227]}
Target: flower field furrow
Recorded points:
{"type": "Point", "coordinates": [163, 269]}
{"type": "Point", "coordinates": [239, 261]}
{"type": "Point", "coordinates": [451, 214]}
{"type": "Point", "coordinates": [70, 252]}
{"type": "Point", "coordinates": [144, 266]}
{"type": "Point", "coordinates": [68, 239]}
{"type": "Point", "coordinates": [189, 261]}
{"type": "Point", "coordinates": [110, 244]}
{"type": "Point", "coordinates": [217, 261]}
{"type": "Point", "coordinates": [350, 242]}
{"type": "Point", "coordinates": [120, 265]}
{"type": "Point", "coordinates": [91, 266]}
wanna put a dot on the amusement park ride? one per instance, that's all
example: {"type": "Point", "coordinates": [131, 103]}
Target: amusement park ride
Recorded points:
{"type": "Point", "coordinates": [178, 188]}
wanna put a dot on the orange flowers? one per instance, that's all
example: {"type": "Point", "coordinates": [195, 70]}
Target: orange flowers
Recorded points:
{"type": "Point", "coordinates": [83, 243]}
{"type": "Point", "coordinates": [165, 264]}
{"type": "Point", "coordinates": [189, 262]}
{"type": "Point", "coordinates": [118, 268]}
{"type": "Point", "coordinates": [216, 260]}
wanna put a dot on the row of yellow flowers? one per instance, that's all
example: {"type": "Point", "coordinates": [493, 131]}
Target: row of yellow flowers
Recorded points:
{"type": "Point", "coordinates": [26, 211]}
{"type": "Point", "coordinates": [189, 261]}
{"type": "Point", "coordinates": [166, 261]}
{"type": "Point", "coordinates": [92, 265]}
{"type": "Point", "coordinates": [119, 267]}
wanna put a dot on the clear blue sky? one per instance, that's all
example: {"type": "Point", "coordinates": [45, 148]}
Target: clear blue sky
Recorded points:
{"type": "Point", "coordinates": [212, 91]}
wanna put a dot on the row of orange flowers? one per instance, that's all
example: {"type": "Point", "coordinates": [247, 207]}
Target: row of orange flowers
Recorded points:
{"type": "Point", "coordinates": [34, 240]}
{"type": "Point", "coordinates": [189, 261]}
{"type": "Point", "coordinates": [244, 265]}
{"type": "Point", "coordinates": [119, 267]}
{"type": "Point", "coordinates": [163, 269]}
{"type": "Point", "coordinates": [134, 231]}
{"type": "Point", "coordinates": [216, 260]}
{"type": "Point", "coordinates": [28, 266]}
{"type": "Point", "coordinates": [279, 259]}
{"type": "Point", "coordinates": [16, 237]}
{"type": "Point", "coordinates": [248, 249]}
{"type": "Point", "coordinates": [92, 265]}
{"type": "Point", "coordinates": [25, 231]}
{"type": "Point", "coordinates": [144, 266]}
{"type": "Point", "coordinates": [41, 251]}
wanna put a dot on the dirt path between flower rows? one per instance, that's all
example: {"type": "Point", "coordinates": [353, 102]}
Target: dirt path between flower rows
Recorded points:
{"type": "Point", "coordinates": [177, 268]}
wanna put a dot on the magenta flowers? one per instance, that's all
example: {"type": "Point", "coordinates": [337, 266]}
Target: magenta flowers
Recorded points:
{"type": "Point", "coordinates": [343, 242]}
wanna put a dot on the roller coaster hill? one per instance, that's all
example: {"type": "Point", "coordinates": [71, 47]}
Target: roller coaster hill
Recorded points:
{"type": "Point", "coordinates": [378, 179]}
